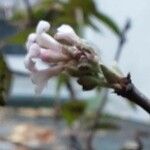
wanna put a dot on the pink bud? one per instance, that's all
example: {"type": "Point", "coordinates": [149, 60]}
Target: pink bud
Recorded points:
{"type": "Point", "coordinates": [66, 34]}
{"type": "Point", "coordinates": [31, 39]}
{"type": "Point", "coordinates": [43, 26]}
{"type": "Point", "coordinates": [41, 77]}
{"type": "Point", "coordinates": [50, 56]}
{"type": "Point", "coordinates": [33, 52]}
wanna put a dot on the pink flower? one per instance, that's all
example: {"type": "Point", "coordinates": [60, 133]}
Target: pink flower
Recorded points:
{"type": "Point", "coordinates": [51, 56]}
{"type": "Point", "coordinates": [43, 39]}
{"type": "Point", "coordinates": [43, 26]}
{"type": "Point", "coordinates": [56, 56]}
{"type": "Point", "coordinates": [43, 47]}
{"type": "Point", "coordinates": [41, 77]}
{"type": "Point", "coordinates": [66, 34]}
{"type": "Point", "coordinates": [31, 39]}
{"type": "Point", "coordinates": [33, 52]}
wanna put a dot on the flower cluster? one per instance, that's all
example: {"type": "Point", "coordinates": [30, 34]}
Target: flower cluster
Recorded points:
{"type": "Point", "coordinates": [65, 52]}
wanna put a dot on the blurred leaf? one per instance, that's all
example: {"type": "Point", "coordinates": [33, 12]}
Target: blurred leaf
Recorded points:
{"type": "Point", "coordinates": [20, 37]}
{"type": "Point", "coordinates": [107, 126]}
{"type": "Point", "coordinates": [72, 110]}
{"type": "Point", "coordinates": [5, 80]}
{"type": "Point", "coordinates": [17, 16]}
{"type": "Point", "coordinates": [59, 12]}
{"type": "Point", "coordinates": [103, 121]}
{"type": "Point", "coordinates": [40, 13]}
{"type": "Point", "coordinates": [62, 80]}
{"type": "Point", "coordinates": [108, 22]}
{"type": "Point", "coordinates": [93, 26]}
{"type": "Point", "coordinates": [87, 7]}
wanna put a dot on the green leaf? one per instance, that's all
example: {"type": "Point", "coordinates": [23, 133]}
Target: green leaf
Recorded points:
{"type": "Point", "coordinates": [106, 125]}
{"type": "Point", "coordinates": [19, 15]}
{"type": "Point", "coordinates": [20, 37]}
{"type": "Point", "coordinates": [90, 23]}
{"type": "Point", "coordinates": [5, 80]}
{"type": "Point", "coordinates": [108, 22]}
{"type": "Point", "coordinates": [72, 110]}
{"type": "Point", "coordinates": [61, 81]}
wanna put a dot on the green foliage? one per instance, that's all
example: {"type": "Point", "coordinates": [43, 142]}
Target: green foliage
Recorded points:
{"type": "Point", "coordinates": [108, 22]}
{"type": "Point", "coordinates": [103, 121]}
{"type": "Point", "coordinates": [89, 9]}
{"type": "Point", "coordinates": [76, 13]}
{"type": "Point", "coordinates": [19, 38]}
{"type": "Point", "coordinates": [72, 110]}
{"type": "Point", "coordinates": [17, 16]}
{"type": "Point", "coordinates": [5, 79]}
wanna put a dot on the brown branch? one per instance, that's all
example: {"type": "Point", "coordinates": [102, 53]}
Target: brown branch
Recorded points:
{"type": "Point", "coordinates": [129, 91]}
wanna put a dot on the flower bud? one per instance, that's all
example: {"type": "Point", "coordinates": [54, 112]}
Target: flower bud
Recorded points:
{"type": "Point", "coordinates": [111, 77]}
{"type": "Point", "coordinates": [43, 26]}
{"type": "Point", "coordinates": [66, 34]}
{"type": "Point", "coordinates": [88, 82]}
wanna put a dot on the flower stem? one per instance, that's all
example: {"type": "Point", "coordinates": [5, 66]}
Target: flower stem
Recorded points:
{"type": "Point", "coordinates": [130, 92]}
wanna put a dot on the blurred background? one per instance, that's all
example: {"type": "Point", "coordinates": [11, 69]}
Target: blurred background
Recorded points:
{"type": "Point", "coordinates": [65, 116]}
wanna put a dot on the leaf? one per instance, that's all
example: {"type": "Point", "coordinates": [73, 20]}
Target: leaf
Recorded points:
{"type": "Point", "coordinates": [19, 15]}
{"type": "Point", "coordinates": [108, 22]}
{"type": "Point", "coordinates": [20, 37]}
{"type": "Point", "coordinates": [89, 22]}
{"type": "Point", "coordinates": [106, 125]}
{"type": "Point", "coordinates": [94, 26]}
{"type": "Point", "coordinates": [5, 80]}
{"type": "Point", "coordinates": [61, 81]}
{"type": "Point", "coordinates": [72, 110]}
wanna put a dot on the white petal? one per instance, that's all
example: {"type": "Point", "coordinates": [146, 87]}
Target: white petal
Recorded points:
{"type": "Point", "coordinates": [43, 26]}
{"type": "Point", "coordinates": [65, 33]}
{"type": "Point", "coordinates": [49, 56]}
{"type": "Point", "coordinates": [46, 41]}
{"type": "Point", "coordinates": [33, 52]}
{"type": "Point", "coordinates": [40, 78]}
{"type": "Point", "coordinates": [29, 64]}
{"type": "Point", "coordinates": [31, 39]}
{"type": "Point", "coordinates": [65, 29]}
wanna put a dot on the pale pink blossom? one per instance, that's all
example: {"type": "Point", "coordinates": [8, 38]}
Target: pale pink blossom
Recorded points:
{"type": "Point", "coordinates": [31, 39]}
{"type": "Point", "coordinates": [43, 26]}
{"type": "Point", "coordinates": [51, 56]}
{"type": "Point", "coordinates": [45, 40]}
{"type": "Point", "coordinates": [56, 56]}
{"type": "Point", "coordinates": [33, 52]}
{"type": "Point", "coordinates": [41, 77]}
{"type": "Point", "coordinates": [43, 47]}
{"type": "Point", "coordinates": [66, 34]}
